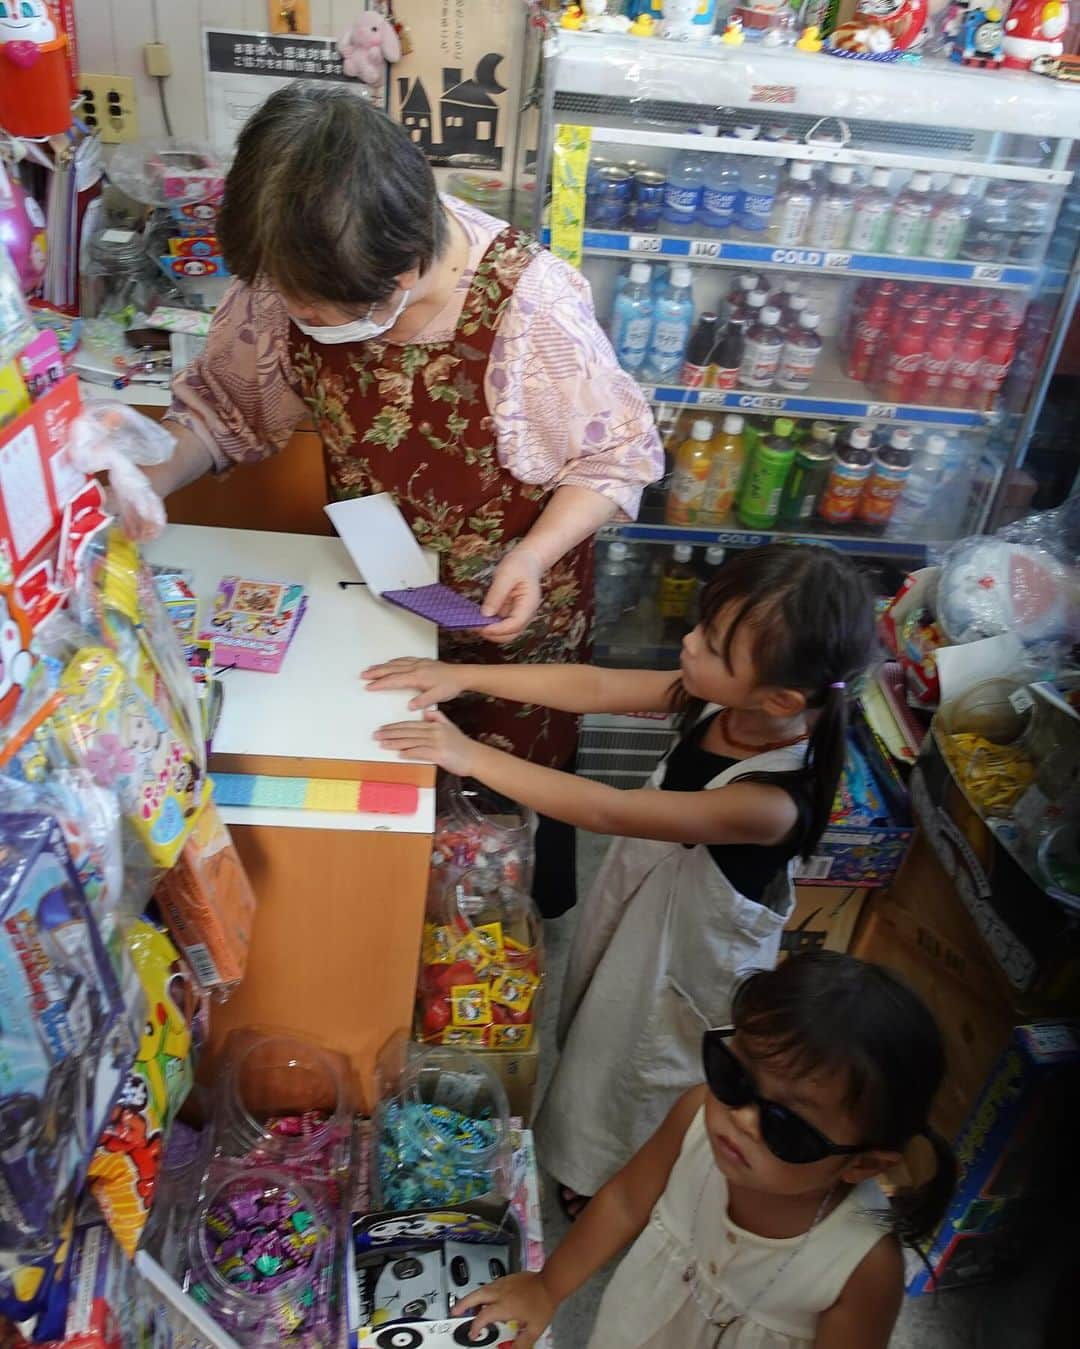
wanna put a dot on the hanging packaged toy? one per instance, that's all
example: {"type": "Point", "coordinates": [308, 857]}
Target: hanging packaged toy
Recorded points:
{"type": "Point", "coordinates": [112, 730]}
{"type": "Point", "coordinates": [65, 1046]}
{"type": "Point", "coordinates": [208, 903]}
{"type": "Point", "coordinates": [476, 829]}
{"type": "Point", "coordinates": [124, 1168]}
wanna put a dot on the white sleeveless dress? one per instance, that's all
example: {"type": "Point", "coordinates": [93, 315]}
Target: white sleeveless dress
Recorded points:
{"type": "Point", "coordinates": [649, 1304]}
{"type": "Point", "coordinates": [662, 941]}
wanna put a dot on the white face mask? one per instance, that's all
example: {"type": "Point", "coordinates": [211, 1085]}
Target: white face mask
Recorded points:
{"type": "Point", "coordinates": [359, 330]}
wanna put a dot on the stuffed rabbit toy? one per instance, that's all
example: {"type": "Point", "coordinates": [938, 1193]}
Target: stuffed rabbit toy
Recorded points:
{"type": "Point", "coordinates": [367, 46]}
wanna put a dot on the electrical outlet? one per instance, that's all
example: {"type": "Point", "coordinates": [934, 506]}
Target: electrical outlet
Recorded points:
{"type": "Point", "coordinates": [109, 107]}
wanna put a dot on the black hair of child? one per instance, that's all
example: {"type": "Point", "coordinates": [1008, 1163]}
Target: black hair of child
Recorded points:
{"type": "Point", "coordinates": [822, 1010]}
{"type": "Point", "coordinates": [812, 618]}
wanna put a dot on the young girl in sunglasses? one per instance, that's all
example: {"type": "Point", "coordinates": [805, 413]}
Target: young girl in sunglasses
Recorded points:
{"type": "Point", "coordinates": [697, 889]}
{"type": "Point", "coordinates": [755, 1216]}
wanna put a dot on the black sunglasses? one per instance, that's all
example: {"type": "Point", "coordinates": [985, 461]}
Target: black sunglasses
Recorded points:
{"type": "Point", "coordinates": [787, 1135]}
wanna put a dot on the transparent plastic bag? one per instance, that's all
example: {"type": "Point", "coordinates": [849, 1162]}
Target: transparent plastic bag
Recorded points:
{"type": "Point", "coordinates": [113, 438]}
{"type": "Point", "coordinates": [995, 585]}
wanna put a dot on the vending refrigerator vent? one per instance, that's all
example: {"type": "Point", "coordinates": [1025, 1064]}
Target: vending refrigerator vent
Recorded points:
{"type": "Point", "coordinates": [621, 751]}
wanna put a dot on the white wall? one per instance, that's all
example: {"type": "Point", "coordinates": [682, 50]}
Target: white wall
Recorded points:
{"type": "Point", "coordinates": [112, 34]}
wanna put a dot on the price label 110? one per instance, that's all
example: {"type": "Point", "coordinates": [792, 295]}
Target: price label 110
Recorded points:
{"type": "Point", "coordinates": [705, 248]}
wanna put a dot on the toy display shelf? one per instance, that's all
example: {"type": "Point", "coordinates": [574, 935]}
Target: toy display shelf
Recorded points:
{"type": "Point", "coordinates": [917, 92]}
{"type": "Point", "coordinates": [733, 535]}
{"type": "Point", "coordinates": [736, 252]}
{"type": "Point", "coordinates": [833, 397]}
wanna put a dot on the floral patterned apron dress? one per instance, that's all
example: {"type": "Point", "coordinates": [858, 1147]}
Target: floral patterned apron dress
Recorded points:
{"type": "Point", "coordinates": [412, 420]}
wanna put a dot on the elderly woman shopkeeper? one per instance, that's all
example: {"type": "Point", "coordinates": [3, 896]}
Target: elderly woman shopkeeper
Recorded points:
{"type": "Point", "coordinates": [444, 358]}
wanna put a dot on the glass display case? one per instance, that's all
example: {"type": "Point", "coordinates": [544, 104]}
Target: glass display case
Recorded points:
{"type": "Point", "coordinates": [841, 284]}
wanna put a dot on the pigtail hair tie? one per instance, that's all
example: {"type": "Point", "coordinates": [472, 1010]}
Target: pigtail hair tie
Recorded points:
{"type": "Point", "coordinates": [839, 684]}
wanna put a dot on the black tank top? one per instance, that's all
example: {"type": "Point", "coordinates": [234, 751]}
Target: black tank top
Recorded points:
{"type": "Point", "coordinates": [748, 866]}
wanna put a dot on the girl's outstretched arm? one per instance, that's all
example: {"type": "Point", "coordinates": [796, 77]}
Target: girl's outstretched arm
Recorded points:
{"type": "Point", "coordinates": [745, 812]}
{"type": "Point", "coordinates": [609, 1222]}
{"type": "Point", "coordinates": [864, 1314]}
{"type": "Point", "coordinates": [566, 688]}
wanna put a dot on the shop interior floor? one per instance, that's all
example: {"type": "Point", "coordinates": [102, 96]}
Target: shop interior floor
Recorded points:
{"type": "Point", "coordinates": [1009, 1314]}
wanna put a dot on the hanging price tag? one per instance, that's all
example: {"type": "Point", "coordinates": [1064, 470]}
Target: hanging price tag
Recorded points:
{"type": "Point", "coordinates": [569, 170]}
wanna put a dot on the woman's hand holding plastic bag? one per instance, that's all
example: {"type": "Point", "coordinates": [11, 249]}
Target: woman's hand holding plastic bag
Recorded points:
{"type": "Point", "coordinates": [112, 438]}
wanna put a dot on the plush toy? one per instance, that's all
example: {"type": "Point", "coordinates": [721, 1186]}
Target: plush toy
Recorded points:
{"type": "Point", "coordinates": [369, 44]}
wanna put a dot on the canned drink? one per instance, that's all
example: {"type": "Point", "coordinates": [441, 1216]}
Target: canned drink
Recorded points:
{"type": "Point", "coordinates": [808, 479]}
{"type": "Point", "coordinates": [597, 164]}
{"type": "Point", "coordinates": [648, 198]}
{"type": "Point", "coordinates": [892, 468]}
{"type": "Point", "coordinates": [847, 477]}
{"type": "Point", "coordinates": [609, 202]}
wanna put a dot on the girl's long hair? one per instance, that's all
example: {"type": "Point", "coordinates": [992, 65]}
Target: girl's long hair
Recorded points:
{"type": "Point", "coordinates": [812, 620]}
{"type": "Point", "coordinates": [827, 1011]}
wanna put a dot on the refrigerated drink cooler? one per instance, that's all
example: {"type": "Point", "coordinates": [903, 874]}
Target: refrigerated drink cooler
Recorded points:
{"type": "Point", "coordinates": [852, 280]}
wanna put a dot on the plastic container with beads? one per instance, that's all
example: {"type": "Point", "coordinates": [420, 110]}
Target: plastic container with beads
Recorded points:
{"type": "Point", "coordinates": [477, 829]}
{"type": "Point", "coordinates": [262, 1252]}
{"type": "Point", "coordinates": [442, 1129]}
{"type": "Point", "coordinates": [285, 1102]}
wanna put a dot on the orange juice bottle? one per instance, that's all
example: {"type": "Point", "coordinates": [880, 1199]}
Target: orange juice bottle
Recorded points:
{"type": "Point", "coordinates": [693, 460]}
{"type": "Point", "coordinates": [725, 473]}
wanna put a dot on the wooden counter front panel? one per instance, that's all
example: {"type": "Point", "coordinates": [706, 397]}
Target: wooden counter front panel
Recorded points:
{"type": "Point", "coordinates": [336, 944]}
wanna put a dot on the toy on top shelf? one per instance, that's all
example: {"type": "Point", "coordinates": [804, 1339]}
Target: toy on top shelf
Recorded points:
{"type": "Point", "coordinates": [35, 82]}
{"type": "Point", "coordinates": [572, 18]}
{"type": "Point", "coordinates": [979, 39]}
{"type": "Point", "coordinates": [643, 26]}
{"type": "Point", "coordinates": [1033, 33]}
{"type": "Point", "coordinates": [598, 20]}
{"type": "Point", "coordinates": [733, 35]}
{"type": "Point", "coordinates": [811, 39]}
{"type": "Point", "coordinates": [370, 44]}
{"type": "Point", "coordinates": [689, 20]}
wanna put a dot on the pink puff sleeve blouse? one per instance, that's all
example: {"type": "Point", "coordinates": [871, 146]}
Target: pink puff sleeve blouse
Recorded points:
{"type": "Point", "coordinates": [563, 410]}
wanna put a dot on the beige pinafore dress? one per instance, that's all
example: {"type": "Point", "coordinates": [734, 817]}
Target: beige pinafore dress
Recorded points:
{"type": "Point", "coordinates": [663, 939]}
{"type": "Point", "coordinates": [771, 1291]}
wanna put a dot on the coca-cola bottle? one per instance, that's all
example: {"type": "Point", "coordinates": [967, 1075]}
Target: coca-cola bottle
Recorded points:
{"type": "Point", "coordinates": [997, 358]}
{"type": "Point", "coordinates": [871, 323]}
{"type": "Point", "coordinates": [906, 353]}
{"type": "Point", "coordinates": [901, 315]}
{"type": "Point", "coordinates": [963, 377]}
{"type": "Point", "coordinates": [728, 359]}
{"type": "Point", "coordinates": [929, 385]}
{"type": "Point", "coordinates": [866, 293]}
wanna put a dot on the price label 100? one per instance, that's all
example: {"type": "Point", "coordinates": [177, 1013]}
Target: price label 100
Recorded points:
{"type": "Point", "coordinates": [644, 243]}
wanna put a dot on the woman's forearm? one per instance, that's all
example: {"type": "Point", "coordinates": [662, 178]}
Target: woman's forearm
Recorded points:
{"type": "Point", "coordinates": [190, 460]}
{"type": "Point", "coordinates": [572, 515]}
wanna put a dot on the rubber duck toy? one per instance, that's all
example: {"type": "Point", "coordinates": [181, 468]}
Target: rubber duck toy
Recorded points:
{"type": "Point", "coordinates": [643, 26]}
{"type": "Point", "coordinates": [572, 18]}
{"type": "Point", "coordinates": [810, 41]}
{"type": "Point", "coordinates": [733, 34]}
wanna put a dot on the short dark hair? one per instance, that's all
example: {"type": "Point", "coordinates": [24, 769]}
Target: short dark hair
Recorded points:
{"type": "Point", "coordinates": [824, 1010]}
{"type": "Point", "coordinates": [328, 199]}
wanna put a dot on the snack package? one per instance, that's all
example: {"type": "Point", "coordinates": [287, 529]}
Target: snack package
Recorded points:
{"type": "Point", "coordinates": [119, 736]}
{"type": "Point", "coordinates": [94, 1306]}
{"type": "Point", "coordinates": [66, 1044]}
{"type": "Point", "coordinates": [208, 903]}
{"type": "Point", "coordinates": [482, 967]}
{"type": "Point", "coordinates": [117, 602]}
{"type": "Point", "coordinates": [124, 1169]}
{"type": "Point", "coordinates": [254, 622]}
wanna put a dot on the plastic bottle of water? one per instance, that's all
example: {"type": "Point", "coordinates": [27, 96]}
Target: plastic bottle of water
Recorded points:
{"type": "Point", "coordinates": [720, 195]}
{"type": "Point", "coordinates": [614, 591]}
{"type": "Point", "coordinates": [673, 318]}
{"type": "Point", "coordinates": [683, 192]}
{"type": "Point", "coordinates": [759, 180]}
{"type": "Point", "coordinates": [632, 319]}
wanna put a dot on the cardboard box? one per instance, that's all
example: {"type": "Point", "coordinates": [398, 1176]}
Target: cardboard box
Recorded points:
{"type": "Point", "coordinates": [1005, 1136]}
{"type": "Point", "coordinates": [1032, 936]}
{"type": "Point", "coordinates": [958, 987]}
{"type": "Point", "coordinates": [518, 1074]}
{"type": "Point", "coordinates": [824, 919]}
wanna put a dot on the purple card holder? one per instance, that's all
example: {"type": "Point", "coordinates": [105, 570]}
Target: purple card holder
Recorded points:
{"type": "Point", "coordinates": [441, 605]}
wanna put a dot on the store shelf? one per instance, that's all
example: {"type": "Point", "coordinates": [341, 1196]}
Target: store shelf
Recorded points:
{"type": "Point", "coordinates": [734, 536]}
{"type": "Point", "coordinates": [835, 397]}
{"type": "Point", "coordinates": [733, 252]}
{"type": "Point", "coordinates": [915, 91]}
